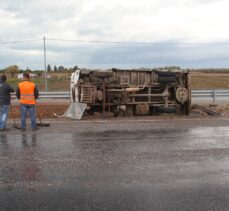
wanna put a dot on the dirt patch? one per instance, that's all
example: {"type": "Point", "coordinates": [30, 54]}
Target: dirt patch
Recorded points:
{"type": "Point", "coordinates": [55, 111]}
{"type": "Point", "coordinates": [43, 110]}
{"type": "Point", "coordinates": [202, 80]}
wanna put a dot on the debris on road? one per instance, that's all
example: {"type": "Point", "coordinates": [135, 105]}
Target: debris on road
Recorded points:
{"type": "Point", "coordinates": [75, 110]}
{"type": "Point", "coordinates": [207, 110]}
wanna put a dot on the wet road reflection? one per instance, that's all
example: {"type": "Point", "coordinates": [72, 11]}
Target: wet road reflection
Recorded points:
{"type": "Point", "coordinates": [4, 145]}
{"type": "Point", "coordinates": [152, 169]}
{"type": "Point", "coordinates": [30, 166]}
{"type": "Point", "coordinates": [24, 167]}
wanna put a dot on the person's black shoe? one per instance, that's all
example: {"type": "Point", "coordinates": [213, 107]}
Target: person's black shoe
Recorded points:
{"type": "Point", "coordinates": [35, 128]}
{"type": "Point", "coordinates": [22, 129]}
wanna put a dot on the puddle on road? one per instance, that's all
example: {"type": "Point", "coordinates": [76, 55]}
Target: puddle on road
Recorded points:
{"type": "Point", "coordinates": [23, 157]}
{"type": "Point", "coordinates": [210, 131]}
{"type": "Point", "coordinates": [208, 138]}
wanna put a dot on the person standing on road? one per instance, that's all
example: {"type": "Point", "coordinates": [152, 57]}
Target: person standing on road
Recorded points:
{"type": "Point", "coordinates": [5, 98]}
{"type": "Point", "coordinates": [27, 93]}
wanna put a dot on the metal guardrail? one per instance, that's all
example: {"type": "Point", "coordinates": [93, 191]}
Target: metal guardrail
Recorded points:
{"type": "Point", "coordinates": [213, 94]}
{"type": "Point", "coordinates": [51, 95]}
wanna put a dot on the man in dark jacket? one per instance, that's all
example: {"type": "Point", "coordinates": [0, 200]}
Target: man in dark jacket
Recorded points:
{"type": "Point", "coordinates": [5, 90]}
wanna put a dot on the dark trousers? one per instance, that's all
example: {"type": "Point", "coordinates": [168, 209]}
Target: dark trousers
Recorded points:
{"type": "Point", "coordinates": [25, 108]}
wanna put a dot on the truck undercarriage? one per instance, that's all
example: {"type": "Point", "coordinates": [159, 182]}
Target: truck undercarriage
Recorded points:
{"type": "Point", "coordinates": [132, 92]}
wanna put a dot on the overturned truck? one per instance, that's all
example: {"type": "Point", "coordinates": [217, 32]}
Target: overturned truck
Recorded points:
{"type": "Point", "coordinates": [132, 92]}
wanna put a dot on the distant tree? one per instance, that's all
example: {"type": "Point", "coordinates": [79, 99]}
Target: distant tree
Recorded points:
{"type": "Point", "coordinates": [13, 69]}
{"type": "Point", "coordinates": [20, 71]}
{"type": "Point", "coordinates": [28, 70]}
{"type": "Point", "coordinates": [49, 69]}
{"type": "Point", "coordinates": [61, 68]}
{"type": "Point", "coordinates": [75, 67]}
{"type": "Point", "coordinates": [172, 67]}
{"type": "Point", "coordinates": [55, 68]}
{"type": "Point", "coordinates": [38, 72]}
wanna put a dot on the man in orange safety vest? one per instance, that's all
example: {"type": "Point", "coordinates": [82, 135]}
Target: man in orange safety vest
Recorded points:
{"type": "Point", "coordinates": [27, 93]}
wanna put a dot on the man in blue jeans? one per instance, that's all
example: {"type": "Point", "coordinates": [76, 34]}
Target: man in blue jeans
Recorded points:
{"type": "Point", "coordinates": [27, 93]}
{"type": "Point", "coordinates": [5, 98]}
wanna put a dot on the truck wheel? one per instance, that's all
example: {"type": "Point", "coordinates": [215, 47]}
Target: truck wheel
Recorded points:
{"type": "Point", "coordinates": [166, 110]}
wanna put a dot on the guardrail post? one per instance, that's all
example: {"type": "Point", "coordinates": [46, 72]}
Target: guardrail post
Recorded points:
{"type": "Point", "coordinates": [214, 96]}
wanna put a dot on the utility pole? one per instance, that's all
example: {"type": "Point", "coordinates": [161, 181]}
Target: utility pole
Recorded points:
{"type": "Point", "coordinates": [46, 82]}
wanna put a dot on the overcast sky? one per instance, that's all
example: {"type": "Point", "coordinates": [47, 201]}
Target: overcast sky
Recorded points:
{"type": "Point", "coordinates": [186, 33]}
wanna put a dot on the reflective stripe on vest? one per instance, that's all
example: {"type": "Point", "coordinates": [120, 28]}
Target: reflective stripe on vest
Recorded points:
{"type": "Point", "coordinates": [27, 96]}
{"type": "Point", "coordinates": [27, 92]}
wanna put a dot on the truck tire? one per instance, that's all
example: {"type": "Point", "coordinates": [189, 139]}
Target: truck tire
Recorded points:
{"type": "Point", "coordinates": [166, 110]}
{"type": "Point", "coordinates": [166, 77]}
{"type": "Point", "coordinates": [167, 74]}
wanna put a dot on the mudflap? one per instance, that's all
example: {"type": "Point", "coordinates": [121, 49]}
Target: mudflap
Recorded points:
{"type": "Point", "coordinates": [75, 110]}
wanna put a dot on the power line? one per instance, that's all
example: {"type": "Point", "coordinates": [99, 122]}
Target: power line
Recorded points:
{"type": "Point", "coordinates": [116, 42]}
{"type": "Point", "coordinates": [138, 43]}
{"type": "Point", "coordinates": [19, 41]}
{"type": "Point", "coordinates": [103, 42]}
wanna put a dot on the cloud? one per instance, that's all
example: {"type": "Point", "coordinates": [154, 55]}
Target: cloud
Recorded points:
{"type": "Point", "coordinates": [164, 21]}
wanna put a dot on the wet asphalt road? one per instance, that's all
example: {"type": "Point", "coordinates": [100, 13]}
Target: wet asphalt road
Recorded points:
{"type": "Point", "coordinates": [182, 164]}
